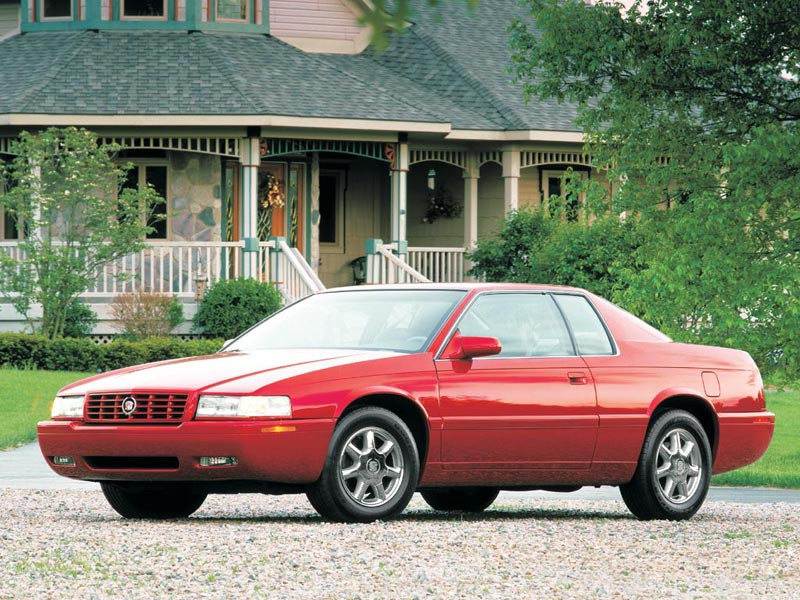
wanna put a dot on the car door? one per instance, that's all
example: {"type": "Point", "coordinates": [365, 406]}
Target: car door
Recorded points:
{"type": "Point", "coordinates": [532, 406]}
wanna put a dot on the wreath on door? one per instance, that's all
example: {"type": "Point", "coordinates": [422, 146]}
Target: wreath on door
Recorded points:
{"type": "Point", "coordinates": [271, 197]}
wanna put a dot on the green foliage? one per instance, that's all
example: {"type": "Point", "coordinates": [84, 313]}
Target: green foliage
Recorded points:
{"type": "Point", "coordinates": [80, 319]}
{"type": "Point", "coordinates": [234, 305]}
{"type": "Point", "coordinates": [66, 191]}
{"type": "Point", "coordinates": [692, 107]}
{"type": "Point", "coordinates": [383, 16]}
{"type": "Point", "coordinates": [534, 247]}
{"type": "Point", "coordinates": [25, 351]}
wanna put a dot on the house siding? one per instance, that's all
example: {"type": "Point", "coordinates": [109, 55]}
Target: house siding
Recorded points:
{"type": "Point", "coordinates": [9, 18]}
{"type": "Point", "coordinates": [323, 19]}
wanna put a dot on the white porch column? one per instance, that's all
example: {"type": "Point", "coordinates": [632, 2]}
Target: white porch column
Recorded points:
{"type": "Point", "coordinates": [511, 179]}
{"type": "Point", "coordinates": [400, 194]}
{"type": "Point", "coordinates": [471, 176]}
{"type": "Point", "coordinates": [315, 211]}
{"type": "Point", "coordinates": [250, 159]}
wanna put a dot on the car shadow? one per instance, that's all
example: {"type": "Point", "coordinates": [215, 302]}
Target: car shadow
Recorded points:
{"type": "Point", "coordinates": [421, 516]}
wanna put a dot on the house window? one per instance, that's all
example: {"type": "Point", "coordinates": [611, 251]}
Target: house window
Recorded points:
{"type": "Point", "coordinates": [157, 214]}
{"type": "Point", "coordinates": [144, 9]}
{"type": "Point", "coordinates": [331, 209]}
{"type": "Point", "coordinates": [56, 9]}
{"type": "Point", "coordinates": [233, 10]}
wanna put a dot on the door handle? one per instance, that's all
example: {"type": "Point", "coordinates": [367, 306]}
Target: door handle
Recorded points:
{"type": "Point", "coordinates": [577, 378]}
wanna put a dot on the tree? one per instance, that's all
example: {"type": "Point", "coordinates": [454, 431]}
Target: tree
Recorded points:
{"type": "Point", "coordinates": [66, 191]}
{"type": "Point", "coordinates": [694, 108]}
{"type": "Point", "coordinates": [383, 16]}
{"type": "Point", "coordinates": [534, 246]}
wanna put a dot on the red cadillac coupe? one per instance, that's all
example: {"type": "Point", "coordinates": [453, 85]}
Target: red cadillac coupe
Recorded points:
{"type": "Point", "coordinates": [357, 397]}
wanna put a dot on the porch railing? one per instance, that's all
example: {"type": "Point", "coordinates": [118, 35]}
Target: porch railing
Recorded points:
{"type": "Point", "coordinates": [416, 265]}
{"type": "Point", "coordinates": [171, 267]}
{"type": "Point", "coordinates": [442, 265]}
{"type": "Point", "coordinates": [293, 275]}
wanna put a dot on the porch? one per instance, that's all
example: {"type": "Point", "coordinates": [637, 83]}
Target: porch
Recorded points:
{"type": "Point", "coordinates": [310, 213]}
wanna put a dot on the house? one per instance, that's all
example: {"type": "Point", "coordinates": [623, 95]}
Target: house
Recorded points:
{"type": "Point", "coordinates": [220, 101]}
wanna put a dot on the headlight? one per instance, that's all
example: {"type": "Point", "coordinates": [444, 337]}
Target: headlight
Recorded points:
{"type": "Point", "coordinates": [244, 406]}
{"type": "Point", "coordinates": [68, 406]}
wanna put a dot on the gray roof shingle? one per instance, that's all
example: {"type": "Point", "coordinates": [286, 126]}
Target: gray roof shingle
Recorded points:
{"type": "Point", "coordinates": [451, 66]}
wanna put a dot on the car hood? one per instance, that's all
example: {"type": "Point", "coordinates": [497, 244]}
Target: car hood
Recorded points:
{"type": "Point", "coordinates": [203, 372]}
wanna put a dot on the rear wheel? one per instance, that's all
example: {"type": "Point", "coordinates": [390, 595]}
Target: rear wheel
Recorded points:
{"type": "Point", "coordinates": [674, 470]}
{"type": "Point", "coordinates": [463, 499]}
{"type": "Point", "coordinates": [371, 470]}
{"type": "Point", "coordinates": [156, 503]}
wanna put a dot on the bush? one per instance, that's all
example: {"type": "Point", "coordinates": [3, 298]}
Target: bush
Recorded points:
{"type": "Point", "coordinates": [534, 247]}
{"type": "Point", "coordinates": [141, 315]}
{"type": "Point", "coordinates": [23, 351]}
{"type": "Point", "coordinates": [232, 306]}
{"type": "Point", "coordinates": [80, 319]}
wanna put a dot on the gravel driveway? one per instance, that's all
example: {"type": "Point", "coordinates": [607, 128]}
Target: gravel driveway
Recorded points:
{"type": "Point", "coordinates": [68, 543]}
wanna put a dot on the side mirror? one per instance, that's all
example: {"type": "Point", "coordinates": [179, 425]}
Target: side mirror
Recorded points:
{"type": "Point", "coordinates": [471, 346]}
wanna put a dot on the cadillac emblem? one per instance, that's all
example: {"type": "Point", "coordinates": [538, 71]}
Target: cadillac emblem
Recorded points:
{"type": "Point", "coordinates": [128, 406]}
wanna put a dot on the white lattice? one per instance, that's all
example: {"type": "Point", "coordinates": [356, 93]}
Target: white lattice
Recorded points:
{"type": "Point", "coordinates": [456, 158]}
{"type": "Point", "coordinates": [535, 158]}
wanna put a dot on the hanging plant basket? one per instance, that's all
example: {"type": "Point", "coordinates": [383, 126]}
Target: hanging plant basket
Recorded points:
{"type": "Point", "coordinates": [441, 205]}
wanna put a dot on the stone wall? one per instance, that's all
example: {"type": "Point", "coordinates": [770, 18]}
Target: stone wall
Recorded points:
{"type": "Point", "coordinates": [195, 197]}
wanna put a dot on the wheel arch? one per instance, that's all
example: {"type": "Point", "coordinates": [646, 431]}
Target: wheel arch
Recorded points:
{"type": "Point", "coordinates": [410, 411]}
{"type": "Point", "coordinates": [694, 404]}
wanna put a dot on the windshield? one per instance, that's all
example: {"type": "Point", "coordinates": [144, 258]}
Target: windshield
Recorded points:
{"type": "Point", "coordinates": [398, 320]}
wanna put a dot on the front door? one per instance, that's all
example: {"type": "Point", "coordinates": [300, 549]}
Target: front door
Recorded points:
{"type": "Point", "coordinates": [533, 406]}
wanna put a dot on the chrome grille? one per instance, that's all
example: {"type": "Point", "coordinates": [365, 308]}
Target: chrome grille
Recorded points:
{"type": "Point", "coordinates": [150, 408]}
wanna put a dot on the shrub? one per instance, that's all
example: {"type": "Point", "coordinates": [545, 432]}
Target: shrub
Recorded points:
{"type": "Point", "coordinates": [232, 306]}
{"type": "Point", "coordinates": [80, 319]}
{"type": "Point", "coordinates": [534, 247]}
{"type": "Point", "coordinates": [23, 351]}
{"type": "Point", "coordinates": [141, 315]}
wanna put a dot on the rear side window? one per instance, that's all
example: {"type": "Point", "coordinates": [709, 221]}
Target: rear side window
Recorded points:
{"type": "Point", "coordinates": [591, 336]}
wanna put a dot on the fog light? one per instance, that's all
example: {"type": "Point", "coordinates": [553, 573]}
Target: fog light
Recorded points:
{"type": "Point", "coordinates": [218, 461]}
{"type": "Point", "coordinates": [64, 461]}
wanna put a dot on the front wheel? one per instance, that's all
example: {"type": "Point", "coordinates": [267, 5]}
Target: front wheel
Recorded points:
{"type": "Point", "coordinates": [156, 503]}
{"type": "Point", "coordinates": [466, 499]}
{"type": "Point", "coordinates": [371, 470]}
{"type": "Point", "coordinates": [674, 470]}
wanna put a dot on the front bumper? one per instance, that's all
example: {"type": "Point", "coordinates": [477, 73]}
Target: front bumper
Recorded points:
{"type": "Point", "coordinates": [743, 439]}
{"type": "Point", "coordinates": [280, 451]}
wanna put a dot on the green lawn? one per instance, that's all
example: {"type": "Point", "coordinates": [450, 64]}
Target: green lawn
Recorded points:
{"type": "Point", "coordinates": [25, 399]}
{"type": "Point", "coordinates": [780, 466]}
{"type": "Point", "coordinates": [26, 396]}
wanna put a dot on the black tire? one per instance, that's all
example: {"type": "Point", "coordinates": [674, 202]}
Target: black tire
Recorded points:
{"type": "Point", "coordinates": [461, 499]}
{"type": "Point", "coordinates": [155, 503]}
{"type": "Point", "coordinates": [335, 495]}
{"type": "Point", "coordinates": [649, 494]}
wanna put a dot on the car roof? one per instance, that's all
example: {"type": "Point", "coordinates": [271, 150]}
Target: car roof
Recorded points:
{"type": "Point", "coordinates": [460, 287]}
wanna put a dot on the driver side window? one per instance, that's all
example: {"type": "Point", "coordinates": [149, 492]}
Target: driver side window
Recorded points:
{"type": "Point", "coordinates": [527, 325]}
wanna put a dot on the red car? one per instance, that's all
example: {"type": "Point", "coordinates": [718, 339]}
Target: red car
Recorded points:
{"type": "Point", "coordinates": [360, 396]}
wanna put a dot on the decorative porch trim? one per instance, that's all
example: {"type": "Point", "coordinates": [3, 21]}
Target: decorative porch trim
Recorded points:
{"type": "Point", "coordinates": [457, 158]}
{"type": "Point", "coordinates": [228, 147]}
{"type": "Point", "coordinates": [532, 158]}
{"type": "Point", "coordinates": [272, 147]}
{"type": "Point", "coordinates": [487, 156]}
